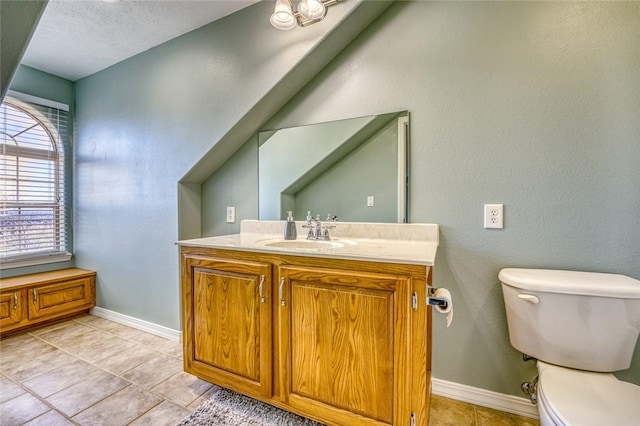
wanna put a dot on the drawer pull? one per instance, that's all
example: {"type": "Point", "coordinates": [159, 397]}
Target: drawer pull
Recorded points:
{"type": "Point", "coordinates": [262, 299]}
{"type": "Point", "coordinates": [15, 300]}
{"type": "Point", "coordinates": [280, 291]}
{"type": "Point", "coordinates": [35, 296]}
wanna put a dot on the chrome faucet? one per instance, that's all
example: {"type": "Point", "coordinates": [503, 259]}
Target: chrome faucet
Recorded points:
{"type": "Point", "coordinates": [317, 230]}
{"type": "Point", "coordinates": [331, 219]}
{"type": "Point", "coordinates": [309, 224]}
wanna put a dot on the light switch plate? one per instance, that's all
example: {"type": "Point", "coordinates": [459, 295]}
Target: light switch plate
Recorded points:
{"type": "Point", "coordinates": [231, 214]}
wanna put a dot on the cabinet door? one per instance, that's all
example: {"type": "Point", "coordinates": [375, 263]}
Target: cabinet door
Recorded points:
{"type": "Point", "coordinates": [344, 345]}
{"type": "Point", "coordinates": [11, 309]}
{"type": "Point", "coordinates": [228, 323]}
{"type": "Point", "coordinates": [60, 298]}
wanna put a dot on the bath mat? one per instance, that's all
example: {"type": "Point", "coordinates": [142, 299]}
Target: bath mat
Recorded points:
{"type": "Point", "coordinates": [233, 409]}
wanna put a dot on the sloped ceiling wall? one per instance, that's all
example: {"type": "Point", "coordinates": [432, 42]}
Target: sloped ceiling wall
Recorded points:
{"type": "Point", "coordinates": [18, 20]}
{"type": "Point", "coordinates": [175, 112]}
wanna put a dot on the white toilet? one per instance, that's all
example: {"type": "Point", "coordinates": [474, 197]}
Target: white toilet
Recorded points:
{"type": "Point", "coordinates": [580, 326]}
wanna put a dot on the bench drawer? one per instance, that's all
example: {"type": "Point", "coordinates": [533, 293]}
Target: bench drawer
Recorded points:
{"type": "Point", "coordinates": [54, 299]}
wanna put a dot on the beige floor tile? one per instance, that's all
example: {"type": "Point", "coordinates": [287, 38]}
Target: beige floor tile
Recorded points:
{"type": "Point", "coordinates": [449, 412]}
{"type": "Point", "coordinates": [12, 343]}
{"type": "Point", "coordinates": [203, 398]}
{"type": "Point", "coordinates": [93, 321]}
{"type": "Point", "coordinates": [54, 381]}
{"type": "Point", "coordinates": [67, 331]}
{"type": "Point", "coordinates": [84, 394]}
{"type": "Point", "coordinates": [90, 337]}
{"type": "Point", "coordinates": [121, 330]}
{"type": "Point", "coordinates": [31, 366]}
{"type": "Point", "coordinates": [19, 410]}
{"type": "Point", "coordinates": [165, 414]}
{"type": "Point", "coordinates": [182, 388]}
{"type": "Point", "coordinates": [154, 371]}
{"type": "Point", "coordinates": [127, 359]}
{"type": "Point", "coordinates": [104, 346]}
{"type": "Point", "coordinates": [50, 418]}
{"type": "Point", "coordinates": [9, 390]}
{"type": "Point", "coordinates": [489, 417]}
{"type": "Point", "coordinates": [12, 357]}
{"type": "Point", "coordinates": [120, 408]}
{"type": "Point", "coordinates": [161, 344]}
{"type": "Point", "coordinates": [50, 327]}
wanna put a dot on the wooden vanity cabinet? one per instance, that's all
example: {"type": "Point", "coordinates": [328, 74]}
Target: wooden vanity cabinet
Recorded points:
{"type": "Point", "coordinates": [348, 342]}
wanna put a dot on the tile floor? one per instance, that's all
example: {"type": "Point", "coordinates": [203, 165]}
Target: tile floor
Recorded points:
{"type": "Point", "coordinates": [92, 371]}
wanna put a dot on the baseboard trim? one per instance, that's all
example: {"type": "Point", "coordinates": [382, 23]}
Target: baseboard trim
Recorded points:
{"type": "Point", "coordinates": [485, 398]}
{"type": "Point", "coordinates": [149, 327]}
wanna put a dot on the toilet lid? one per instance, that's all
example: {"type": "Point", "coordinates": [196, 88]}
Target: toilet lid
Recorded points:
{"type": "Point", "coordinates": [577, 397]}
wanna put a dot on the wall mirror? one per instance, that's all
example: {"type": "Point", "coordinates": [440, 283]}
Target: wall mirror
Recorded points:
{"type": "Point", "coordinates": [355, 169]}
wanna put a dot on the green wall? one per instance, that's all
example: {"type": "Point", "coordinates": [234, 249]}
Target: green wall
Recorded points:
{"type": "Point", "coordinates": [532, 104]}
{"type": "Point", "coordinates": [145, 123]}
{"type": "Point", "coordinates": [43, 85]}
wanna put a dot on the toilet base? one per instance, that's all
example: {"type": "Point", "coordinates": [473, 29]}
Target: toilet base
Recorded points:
{"type": "Point", "coordinates": [569, 397]}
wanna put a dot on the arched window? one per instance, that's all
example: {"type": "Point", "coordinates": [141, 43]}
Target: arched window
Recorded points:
{"type": "Point", "coordinates": [34, 225]}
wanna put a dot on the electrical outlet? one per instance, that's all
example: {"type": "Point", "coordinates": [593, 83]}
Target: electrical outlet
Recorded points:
{"type": "Point", "coordinates": [231, 215]}
{"type": "Point", "coordinates": [371, 201]}
{"type": "Point", "coordinates": [494, 216]}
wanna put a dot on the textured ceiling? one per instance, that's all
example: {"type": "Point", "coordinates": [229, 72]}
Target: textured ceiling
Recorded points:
{"type": "Point", "coordinates": [76, 38]}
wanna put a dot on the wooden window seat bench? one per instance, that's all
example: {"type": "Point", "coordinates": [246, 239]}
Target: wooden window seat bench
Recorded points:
{"type": "Point", "coordinates": [36, 299]}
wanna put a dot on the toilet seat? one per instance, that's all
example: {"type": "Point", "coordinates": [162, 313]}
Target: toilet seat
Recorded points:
{"type": "Point", "coordinates": [576, 397]}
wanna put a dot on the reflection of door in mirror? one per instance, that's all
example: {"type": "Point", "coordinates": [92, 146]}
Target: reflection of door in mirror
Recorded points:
{"type": "Point", "coordinates": [355, 169]}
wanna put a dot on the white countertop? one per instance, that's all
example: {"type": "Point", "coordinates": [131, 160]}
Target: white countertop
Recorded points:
{"type": "Point", "coordinates": [413, 243]}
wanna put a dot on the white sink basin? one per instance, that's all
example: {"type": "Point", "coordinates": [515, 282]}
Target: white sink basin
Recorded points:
{"type": "Point", "coordinates": [308, 245]}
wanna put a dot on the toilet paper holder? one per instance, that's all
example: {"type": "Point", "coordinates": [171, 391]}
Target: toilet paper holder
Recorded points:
{"type": "Point", "coordinates": [432, 299]}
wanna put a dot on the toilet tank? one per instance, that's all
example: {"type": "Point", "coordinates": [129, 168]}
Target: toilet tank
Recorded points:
{"type": "Point", "coordinates": [583, 320]}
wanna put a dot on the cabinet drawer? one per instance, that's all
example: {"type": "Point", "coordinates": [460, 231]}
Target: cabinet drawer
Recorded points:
{"type": "Point", "coordinates": [11, 311]}
{"type": "Point", "coordinates": [65, 297]}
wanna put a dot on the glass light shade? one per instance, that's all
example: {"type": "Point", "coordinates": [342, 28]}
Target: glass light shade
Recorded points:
{"type": "Point", "coordinates": [282, 18]}
{"type": "Point", "coordinates": [312, 9]}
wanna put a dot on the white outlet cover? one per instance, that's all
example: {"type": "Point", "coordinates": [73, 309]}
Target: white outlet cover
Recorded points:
{"type": "Point", "coordinates": [494, 216]}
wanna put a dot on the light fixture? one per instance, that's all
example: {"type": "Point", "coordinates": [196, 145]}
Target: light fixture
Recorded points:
{"type": "Point", "coordinates": [282, 17]}
{"type": "Point", "coordinates": [309, 12]}
{"type": "Point", "coordinates": [312, 9]}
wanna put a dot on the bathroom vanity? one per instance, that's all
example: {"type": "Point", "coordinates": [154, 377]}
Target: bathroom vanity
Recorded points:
{"type": "Point", "coordinates": [337, 331]}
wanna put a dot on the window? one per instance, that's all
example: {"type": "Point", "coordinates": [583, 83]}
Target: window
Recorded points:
{"type": "Point", "coordinates": [34, 216]}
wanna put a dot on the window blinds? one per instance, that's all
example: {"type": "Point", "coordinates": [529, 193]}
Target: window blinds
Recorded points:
{"type": "Point", "coordinates": [34, 183]}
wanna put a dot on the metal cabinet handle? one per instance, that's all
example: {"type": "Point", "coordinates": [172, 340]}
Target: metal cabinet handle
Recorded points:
{"type": "Point", "coordinates": [280, 291]}
{"type": "Point", "coordinates": [15, 300]}
{"type": "Point", "coordinates": [529, 298]}
{"type": "Point", "coordinates": [35, 296]}
{"type": "Point", "coordinates": [262, 299]}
